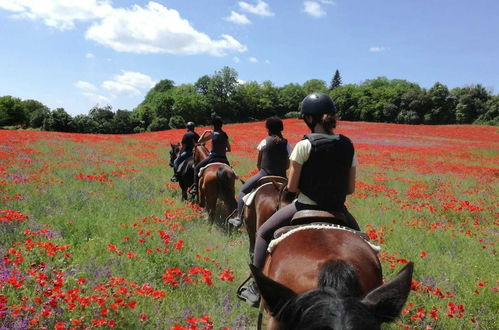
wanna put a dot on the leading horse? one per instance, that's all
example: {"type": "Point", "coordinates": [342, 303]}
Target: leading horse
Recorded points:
{"type": "Point", "coordinates": [319, 278]}
{"type": "Point", "coordinates": [186, 171]}
{"type": "Point", "coordinates": [217, 181]}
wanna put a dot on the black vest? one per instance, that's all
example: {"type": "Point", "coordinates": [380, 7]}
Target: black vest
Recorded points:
{"type": "Point", "coordinates": [275, 156]}
{"type": "Point", "coordinates": [324, 176]}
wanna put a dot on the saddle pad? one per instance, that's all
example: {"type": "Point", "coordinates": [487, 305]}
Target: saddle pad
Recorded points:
{"type": "Point", "coordinates": [276, 241]}
{"type": "Point", "coordinates": [248, 198]}
{"type": "Point", "coordinates": [210, 164]}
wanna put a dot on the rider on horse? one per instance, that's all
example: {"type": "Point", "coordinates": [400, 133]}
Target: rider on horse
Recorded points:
{"type": "Point", "coordinates": [219, 147]}
{"type": "Point", "coordinates": [187, 145]}
{"type": "Point", "coordinates": [273, 153]}
{"type": "Point", "coordinates": [322, 174]}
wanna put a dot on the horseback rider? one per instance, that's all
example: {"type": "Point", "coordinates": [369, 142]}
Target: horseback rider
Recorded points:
{"type": "Point", "coordinates": [322, 174]}
{"type": "Point", "coordinates": [186, 148]}
{"type": "Point", "coordinates": [273, 153]}
{"type": "Point", "coordinates": [219, 147]}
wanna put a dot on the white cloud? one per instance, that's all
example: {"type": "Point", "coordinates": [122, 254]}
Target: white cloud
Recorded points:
{"type": "Point", "coordinates": [238, 18]}
{"type": "Point", "coordinates": [150, 29]}
{"type": "Point", "coordinates": [253, 60]}
{"type": "Point", "coordinates": [236, 59]}
{"type": "Point", "coordinates": [313, 8]}
{"type": "Point", "coordinates": [377, 49]}
{"type": "Point", "coordinates": [129, 83]}
{"type": "Point", "coordinates": [85, 86]}
{"type": "Point", "coordinates": [100, 99]}
{"type": "Point", "coordinates": [328, 2]}
{"type": "Point", "coordinates": [60, 14]}
{"type": "Point", "coordinates": [260, 9]}
{"type": "Point", "coordinates": [241, 82]}
{"type": "Point", "coordinates": [157, 29]}
{"type": "Point", "coordinates": [267, 61]}
{"type": "Point", "coordinates": [89, 55]}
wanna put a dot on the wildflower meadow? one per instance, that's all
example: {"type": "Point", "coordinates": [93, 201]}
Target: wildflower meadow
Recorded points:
{"type": "Point", "coordinates": [94, 235]}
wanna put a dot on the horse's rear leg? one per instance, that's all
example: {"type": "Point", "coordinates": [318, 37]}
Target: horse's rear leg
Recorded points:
{"type": "Point", "coordinates": [211, 203]}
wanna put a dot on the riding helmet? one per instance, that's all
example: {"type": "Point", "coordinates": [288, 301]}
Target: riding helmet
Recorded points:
{"type": "Point", "coordinates": [317, 104]}
{"type": "Point", "coordinates": [190, 125]}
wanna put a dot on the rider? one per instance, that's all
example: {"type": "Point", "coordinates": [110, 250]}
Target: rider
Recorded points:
{"type": "Point", "coordinates": [187, 145]}
{"type": "Point", "coordinates": [273, 153]}
{"type": "Point", "coordinates": [322, 174]}
{"type": "Point", "coordinates": [219, 147]}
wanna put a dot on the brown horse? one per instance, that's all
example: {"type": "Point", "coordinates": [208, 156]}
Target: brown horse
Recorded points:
{"type": "Point", "coordinates": [318, 278]}
{"type": "Point", "coordinates": [267, 201]}
{"type": "Point", "coordinates": [216, 181]}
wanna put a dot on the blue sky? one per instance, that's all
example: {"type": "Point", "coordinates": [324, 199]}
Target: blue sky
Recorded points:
{"type": "Point", "coordinates": [78, 53]}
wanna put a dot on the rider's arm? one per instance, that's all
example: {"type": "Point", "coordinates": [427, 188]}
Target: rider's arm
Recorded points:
{"type": "Point", "coordinates": [182, 148]}
{"type": "Point", "coordinates": [205, 136]}
{"type": "Point", "coordinates": [259, 160]}
{"type": "Point", "coordinates": [351, 180]}
{"type": "Point", "coordinates": [294, 176]}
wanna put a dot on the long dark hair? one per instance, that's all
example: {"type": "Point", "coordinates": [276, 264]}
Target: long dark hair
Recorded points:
{"type": "Point", "coordinates": [217, 123]}
{"type": "Point", "coordinates": [275, 126]}
{"type": "Point", "coordinates": [327, 121]}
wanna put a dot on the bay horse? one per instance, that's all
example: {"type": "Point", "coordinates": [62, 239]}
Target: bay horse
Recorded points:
{"type": "Point", "coordinates": [318, 278]}
{"type": "Point", "coordinates": [266, 201]}
{"type": "Point", "coordinates": [216, 182]}
{"type": "Point", "coordinates": [185, 174]}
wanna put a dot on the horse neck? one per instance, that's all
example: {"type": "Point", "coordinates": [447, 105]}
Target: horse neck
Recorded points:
{"type": "Point", "coordinates": [201, 152]}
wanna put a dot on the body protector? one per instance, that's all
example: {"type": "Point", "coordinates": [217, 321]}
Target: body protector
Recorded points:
{"type": "Point", "coordinates": [275, 156]}
{"type": "Point", "coordinates": [324, 176]}
{"type": "Point", "coordinates": [219, 144]}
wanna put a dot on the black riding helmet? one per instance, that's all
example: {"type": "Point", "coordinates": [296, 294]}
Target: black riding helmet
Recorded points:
{"type": "Point", "coordinates": [190, 125]}
{"type": "Point", "coordinates": [317, 104]}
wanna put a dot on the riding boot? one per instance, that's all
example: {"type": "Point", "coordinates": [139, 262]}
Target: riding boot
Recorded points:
{"type": "Point", "coordinates": [194, 188]}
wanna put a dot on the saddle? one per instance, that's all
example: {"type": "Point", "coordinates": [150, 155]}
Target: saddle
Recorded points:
{"type": "Point", "coordinates": [263, 181]}
{"type": "Point", "coordinates": [316, 219]}
{"type": "Point", "coordinates": [211, 164]}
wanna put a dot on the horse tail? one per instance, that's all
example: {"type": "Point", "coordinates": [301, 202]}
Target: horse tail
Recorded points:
{"type": "Point", "coordinates": [341, 276]}
{"type": "Point", "coordinates": [226, 187]}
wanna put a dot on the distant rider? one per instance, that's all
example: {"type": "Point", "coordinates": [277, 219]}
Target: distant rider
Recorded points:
{"type": "Point", "coordinates": [186, 148]}
{"type": "Point", "coordinates": [219, 147]}
{"type": "Point", "coordinates": [273, 154]}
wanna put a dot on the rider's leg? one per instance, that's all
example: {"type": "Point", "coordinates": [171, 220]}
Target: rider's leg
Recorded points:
{"type": "Point", "coordinates": [245, 189]}
{"type": "Point", "coordinates": [201, 164]}
{"type": "Point", "coordinates": [263, 238]}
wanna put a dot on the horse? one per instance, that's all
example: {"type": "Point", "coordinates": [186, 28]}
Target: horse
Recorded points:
{"type": "Point", "coordinates": [216, 182]}
{"type": "Point", "coordinates": [185, 170]}
{"type": "Point", "coordinates": [328, 277]}
{"type": "Point", "coordinates": [267, 200]}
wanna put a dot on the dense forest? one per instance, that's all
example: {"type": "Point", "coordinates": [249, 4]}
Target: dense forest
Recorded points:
{"type": "Point", "coordinates": [169, 106]}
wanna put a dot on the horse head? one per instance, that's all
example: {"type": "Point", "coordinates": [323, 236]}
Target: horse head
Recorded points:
{"type": "Point", "coordinates": [174, 151]}
{"type": "Point", "coordinates": [338, 302]}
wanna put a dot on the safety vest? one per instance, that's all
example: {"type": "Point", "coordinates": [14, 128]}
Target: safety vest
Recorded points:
{"type": "Point", "coordinates": [324, 176]}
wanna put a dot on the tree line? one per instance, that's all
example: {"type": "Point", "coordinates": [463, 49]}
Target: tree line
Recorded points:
{"type": "Point", "coordinates": [169, 106]}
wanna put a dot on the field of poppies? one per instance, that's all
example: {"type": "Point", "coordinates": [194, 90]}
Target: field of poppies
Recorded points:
{"type": "Point", "coordinates": [94, 235]}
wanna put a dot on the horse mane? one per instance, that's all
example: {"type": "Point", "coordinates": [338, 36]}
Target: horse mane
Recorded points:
{"type": "Point", "coordinates": [340, 276]}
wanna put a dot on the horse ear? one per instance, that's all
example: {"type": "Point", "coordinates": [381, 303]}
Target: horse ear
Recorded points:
{"type": "Point", "coordinates": [274, 293]}
{"type": "Point", "coordinates": [387, 301]}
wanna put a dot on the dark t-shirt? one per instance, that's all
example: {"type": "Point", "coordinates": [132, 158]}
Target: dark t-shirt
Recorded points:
{"type": "Point", "coordinates": [189, 139]}
{"type": "Point", "coordinates": [219, 143]}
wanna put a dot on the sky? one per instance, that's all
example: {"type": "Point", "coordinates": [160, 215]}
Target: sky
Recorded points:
{"type": "Point", "coordinates": [76, 54]}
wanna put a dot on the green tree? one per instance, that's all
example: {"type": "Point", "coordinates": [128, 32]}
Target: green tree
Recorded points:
{"type": "Point", "coordinates": [189, 104]}
{"type": "Point", "coordinates": [12, 111]}
{"type": "Point", "coordinates": [442, 105]}
{"type": "Point", "coordinates": [314, 85]}
{"type": "Point", "coordinates": [203, 84]}
{"type": "Point", "coordinates": [491, 116]}
{"type": "Point", "coordinates": [176, 122]}
{"type": "Point", "coordinates": [58, 120]}
{"type": "Point", "coordinates": [290, 97]}
{"type": "Point", "coordinates": [335, 81]}
{"type": "Point", "coordinates": [222, 86]}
